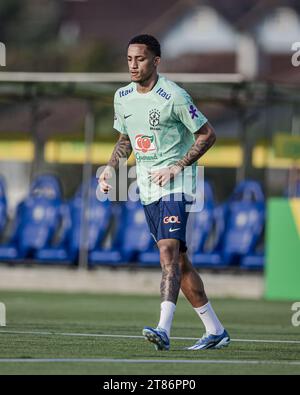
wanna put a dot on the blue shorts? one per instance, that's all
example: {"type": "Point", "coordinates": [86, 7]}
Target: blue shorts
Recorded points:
{"type": "Point", "coordinates": [167, 218]}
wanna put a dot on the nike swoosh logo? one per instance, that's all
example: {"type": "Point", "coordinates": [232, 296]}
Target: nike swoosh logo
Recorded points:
{"type": "Point", "coordinates": [127, 116]}
{"type": "Point", "coordinates": [173, 230]}
{"type": "Point", "coordinates": [203, 312]}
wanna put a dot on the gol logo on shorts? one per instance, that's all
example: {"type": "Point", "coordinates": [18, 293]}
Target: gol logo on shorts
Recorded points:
{"type": "Point", "coordinates": [173, 219]}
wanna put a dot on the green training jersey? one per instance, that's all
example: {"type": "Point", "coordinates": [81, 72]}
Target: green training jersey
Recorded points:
{"type": "Point", "coordinates": [161, 126]}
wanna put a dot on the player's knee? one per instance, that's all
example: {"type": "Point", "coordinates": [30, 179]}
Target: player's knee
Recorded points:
{"type": "Point", "coordinates": [168, 252]}
{"type": "Point", "coordinates": [184, 263]}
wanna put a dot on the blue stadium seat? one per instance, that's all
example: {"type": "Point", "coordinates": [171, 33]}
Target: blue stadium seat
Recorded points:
{"type": "Point", "coordinates": [208, 233]}
{"type": "Point", "coordinates": [244, 225]}
{"type": "Point", "coordinates": [3, 205]}
{"type": "Point", "coordinates": [253, 262]}
{"type": "Point", "coordinates": [46, 185]}
{"type": "Point", "coordinates": [35, 221]}
{"type": "Point", "coordinates": [58, 250]}
{"type": "Point", "coordinates": [98, 217]}
{"type": "Point", "coordinates": [248, 191]}
{"type": "Point", "coordinates": [207, 230]}
{"type": "Point", "coordinates": [70, 240]}
{"type": "Point", "coordinates": [131, 237]}
{"type": "Point", "coordinates": [150, 258]}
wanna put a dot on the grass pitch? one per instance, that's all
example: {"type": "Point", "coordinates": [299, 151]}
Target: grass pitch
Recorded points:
{"type": "Point", "coordinates": [88, 330]}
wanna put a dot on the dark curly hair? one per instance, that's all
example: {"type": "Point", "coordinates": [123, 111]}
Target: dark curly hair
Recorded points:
{"type": "Point", "coordinates": [151, 42]}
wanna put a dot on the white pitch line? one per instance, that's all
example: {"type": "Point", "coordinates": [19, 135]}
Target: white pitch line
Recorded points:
{"type": "Point", "coordinates": [111, 360]}
{"type": "Point", "coordinates": [73, 334]}
{"type": "Point", "coordinates": [140, 337]}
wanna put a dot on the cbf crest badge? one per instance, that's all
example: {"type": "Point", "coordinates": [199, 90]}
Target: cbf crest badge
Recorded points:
{"type": "Point", "coordinates": [154, 116]}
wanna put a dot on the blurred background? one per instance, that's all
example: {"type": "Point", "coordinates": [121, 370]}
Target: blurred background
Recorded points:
{"type": "Point", "coordinates": [238, 60]}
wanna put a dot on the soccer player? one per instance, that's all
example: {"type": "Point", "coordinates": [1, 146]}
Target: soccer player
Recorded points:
{"type": "Point", "coordinates": [159, 121]}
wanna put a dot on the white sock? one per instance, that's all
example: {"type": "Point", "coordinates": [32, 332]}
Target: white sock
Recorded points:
{"type": "Point", "coordinates": [167, 310]}
{"type": "Point", "coordinates": [210, 320]}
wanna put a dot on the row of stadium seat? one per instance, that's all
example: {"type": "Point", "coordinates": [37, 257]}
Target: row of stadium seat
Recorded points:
{"type": "Point", "coordinates": [47, 229]}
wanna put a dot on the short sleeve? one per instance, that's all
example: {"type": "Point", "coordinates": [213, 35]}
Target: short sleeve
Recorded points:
{"type": "Point", "coordinates": [119, 124]}
{"type": "Point", "coordinates": [186, 112]}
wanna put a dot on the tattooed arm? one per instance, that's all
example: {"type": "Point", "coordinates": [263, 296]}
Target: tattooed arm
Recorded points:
{"type": "Point", "coordinates": [205, 138]}
{"type": "Point", "coordinates": [122, 149]}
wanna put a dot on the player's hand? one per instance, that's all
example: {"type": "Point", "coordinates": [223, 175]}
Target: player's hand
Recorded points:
{"type": "Point", "coordinates": [162, 176]}
{"type": "Point", "coordinates": [104, 176]}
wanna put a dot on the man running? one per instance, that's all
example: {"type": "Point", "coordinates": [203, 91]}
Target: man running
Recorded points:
{"type": "Point", "coordinates": [159, 121]}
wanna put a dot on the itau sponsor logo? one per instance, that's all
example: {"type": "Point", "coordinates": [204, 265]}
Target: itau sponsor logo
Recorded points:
{"type": "Point", "coordinates": [125, 92]}
{"type": "Point", "coordinates": [163, 94]}
{"type": "Point", "coordinates": [144, 143]}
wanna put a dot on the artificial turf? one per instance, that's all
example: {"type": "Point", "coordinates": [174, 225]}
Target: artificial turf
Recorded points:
{"type": "Point", "coordinates": [62, 314]}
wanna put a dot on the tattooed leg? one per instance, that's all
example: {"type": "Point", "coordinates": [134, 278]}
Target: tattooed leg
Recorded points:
{"type": "Point", "coordinates": [169, 260]}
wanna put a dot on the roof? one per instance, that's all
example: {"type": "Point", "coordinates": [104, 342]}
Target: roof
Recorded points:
{"type": "Point", "coordinates": [116, 21]}
{"type": "Point", "coordinates": [119, 20]}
